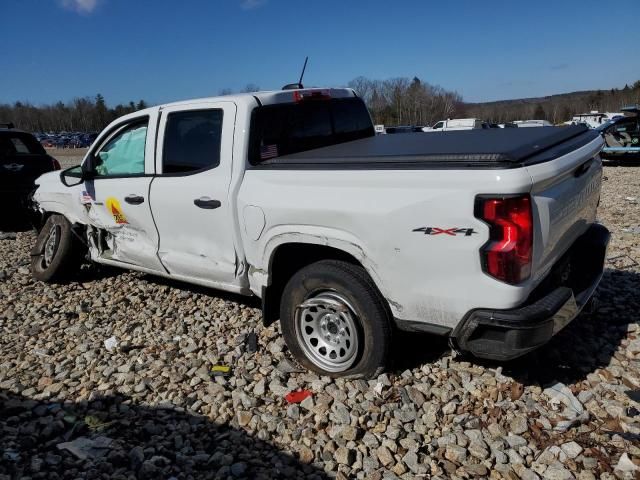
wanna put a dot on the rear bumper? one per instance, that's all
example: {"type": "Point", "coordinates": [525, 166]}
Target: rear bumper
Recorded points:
{"type": "Point", "coordinates": [507, 334]}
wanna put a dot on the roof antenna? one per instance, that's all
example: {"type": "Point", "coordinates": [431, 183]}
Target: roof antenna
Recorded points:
{"type": "Point", "coordinates": [295, 86]}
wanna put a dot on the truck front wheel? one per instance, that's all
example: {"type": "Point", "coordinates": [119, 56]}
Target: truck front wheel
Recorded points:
{"type": "Point", "coordinates": [55, 254]}
{"type": "Point", "coordinates": [334, 320]}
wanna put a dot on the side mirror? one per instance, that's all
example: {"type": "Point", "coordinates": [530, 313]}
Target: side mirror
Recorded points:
{"type": "Point", "coordinates": [72, 176]}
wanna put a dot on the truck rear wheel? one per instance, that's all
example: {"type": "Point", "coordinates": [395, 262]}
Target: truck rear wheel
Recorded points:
{"type": "Point", "coordinates": [334, 320]}
{"type": "Point", "coordinates": [55, 255]}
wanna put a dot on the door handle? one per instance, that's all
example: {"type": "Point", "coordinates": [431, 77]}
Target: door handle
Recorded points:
{"type": "Point", "coordinates": [134, 199]}
{"type": "Point", "coordinates": [582, 169]}
{"type": "Point", "coordinates": [206, 202]}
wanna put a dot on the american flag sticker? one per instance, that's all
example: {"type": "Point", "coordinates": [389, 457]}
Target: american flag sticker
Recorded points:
{"type": "Point", "coordinates": [268, 151]}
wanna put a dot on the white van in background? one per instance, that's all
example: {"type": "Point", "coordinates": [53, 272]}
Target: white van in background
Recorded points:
{"type": "Point", "coordinates": [456, 124]}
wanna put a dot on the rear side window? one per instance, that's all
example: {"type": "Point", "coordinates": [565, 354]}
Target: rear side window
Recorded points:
{"type": "Point", "coordinates": [19, 144]}
{"type": "Point", "coordinates": [192, 141]}
{"type": "Point", "coordinates": [288, 128]}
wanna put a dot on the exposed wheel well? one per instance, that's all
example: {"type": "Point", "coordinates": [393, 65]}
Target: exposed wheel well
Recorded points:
{"type": "Point", "coordinates": [287, 260]}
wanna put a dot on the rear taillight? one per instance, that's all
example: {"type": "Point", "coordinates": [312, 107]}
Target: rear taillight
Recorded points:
{"type": "Point", "coordinates": [56, 164]}
{"type": "Point", "coordinates": [507, 255]}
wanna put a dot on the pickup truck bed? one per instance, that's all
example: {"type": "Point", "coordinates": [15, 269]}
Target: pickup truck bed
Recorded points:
{"type": "Point", "coordinates": [494, 148]}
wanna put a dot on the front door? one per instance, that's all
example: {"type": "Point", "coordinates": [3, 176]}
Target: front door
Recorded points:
{"type": "Point", "coordinates": [117, 197]}
{"type": "Point", "coordinates": [190, 197]}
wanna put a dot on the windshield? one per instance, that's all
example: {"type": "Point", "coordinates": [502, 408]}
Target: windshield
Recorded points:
{"type": "Point", "coordinates": [287, 128]}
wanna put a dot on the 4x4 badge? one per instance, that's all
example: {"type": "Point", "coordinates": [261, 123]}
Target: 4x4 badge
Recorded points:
{"type": "Point", "coordinates": [467, 232]}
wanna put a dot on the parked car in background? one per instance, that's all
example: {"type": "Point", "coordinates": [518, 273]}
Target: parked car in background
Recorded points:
{"type": "Point", "coordinates": [456, 124]}
{"type": "Point", "coordinates": [66, 139]}
{"type": "Point", "coordinates": [622, 135]}
{"type": "Point", "coordinates": [22, 160]}
{"type": "Point", "coordinates": [403, 129]}
{"type": "Point", "coordinates": [532, 123]}
{"type": "Point", "coordinates": [594, 119]}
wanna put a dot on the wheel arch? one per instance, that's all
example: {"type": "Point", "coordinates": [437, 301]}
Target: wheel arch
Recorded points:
{"type": "Point", "coordinates": [287, 257]}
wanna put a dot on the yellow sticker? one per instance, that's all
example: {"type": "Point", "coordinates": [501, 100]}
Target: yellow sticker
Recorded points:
{"type": "Point", "coordinates": [113, 207]}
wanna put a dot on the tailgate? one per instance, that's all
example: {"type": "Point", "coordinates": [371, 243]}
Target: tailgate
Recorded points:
{"type": "Point", "coordinates": [565, 194]}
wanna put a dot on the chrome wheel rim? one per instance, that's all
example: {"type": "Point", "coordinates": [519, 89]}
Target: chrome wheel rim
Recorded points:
{"type": "Point", "coordinates": [327, 329]}
{"type": "Point", "coordinates": [50, 246]}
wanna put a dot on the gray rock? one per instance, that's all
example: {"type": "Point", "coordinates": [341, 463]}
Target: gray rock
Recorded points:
{"type": "Point", "coordinates": [571, 449]}
{"type": "Point", "coordinates": [341, 413]}
{"type": "Point", "coordinates": [52, 459]}
{"type": "Point", "coordinates": [515, 441]}
{"type": "Point", "coordinates": [557, 473]}
{"type": "Point", "coordinates": [412, 462]}
{"type": "Point", "coordinates": [478, 450]}
{"type": "Point", "coordinates": [259, 387]}
{"type": "Point", "coordinates": [345, 456]}
{"type": "Point", "coordinates": [518, 425]}
{"type": "Point", "coordinates": [385, 456]}
{"type": "Point", "coordinates": [476, 470]}
{"type": "Point", "coordinates": [238, 469]}
{"type": "Point", "coordinates": [136, 457]}
{"type": "Point", "coordinates": [370, 463]}
{"type": "Point", "coordinates": [455, 454]}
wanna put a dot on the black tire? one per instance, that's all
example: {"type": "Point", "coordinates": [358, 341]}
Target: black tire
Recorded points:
{"type": "Point", "coordinates": [63, 259]}
{"type": "Point", "coordinates": [353, 284]}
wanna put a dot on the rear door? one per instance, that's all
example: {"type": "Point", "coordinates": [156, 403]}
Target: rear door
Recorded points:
{"type": "Point", "coordinates": [117, 198]}
{"type": "Point", "coordinates": [190, 193]}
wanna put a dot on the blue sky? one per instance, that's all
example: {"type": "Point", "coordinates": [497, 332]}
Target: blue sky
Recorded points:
{"type": "Point", "coordinates": [162, 50]}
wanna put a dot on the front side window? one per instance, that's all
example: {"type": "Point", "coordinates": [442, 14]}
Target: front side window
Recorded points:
{"type": "Point", "coordinates": [124, 153]}
{"type": "Point", "coordinates": [192, 141]}
{"type": "Point", "coordinates": [438, 125]}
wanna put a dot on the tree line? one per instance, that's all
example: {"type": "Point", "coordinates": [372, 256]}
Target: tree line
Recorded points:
{"type": "Point", "coordinates": [78, 115]}
{"type": "Point", "coordinates": [556, 108]}
{"type": "Point", "coordinates": [404, 101]}
{"type": "Point", "coordinates": [395, 101]}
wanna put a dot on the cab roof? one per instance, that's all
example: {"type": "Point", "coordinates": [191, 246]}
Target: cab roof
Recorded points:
{"type": "Point", "coordinates": [269, 97]}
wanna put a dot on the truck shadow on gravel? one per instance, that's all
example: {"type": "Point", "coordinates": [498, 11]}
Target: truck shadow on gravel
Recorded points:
{"type": "Point", "coordinates": [16, 222]}
{"type": "Point", "coordinates": [590, 341]}
{"type": "Point", "coordinates": [245, 301]}
{"type": "Point", "coordinates": [119, 439]}
{"type": "Point", "coordinates": [585, 345]}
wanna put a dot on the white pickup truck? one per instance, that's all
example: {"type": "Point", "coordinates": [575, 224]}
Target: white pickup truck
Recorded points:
{"type": "Point", "coordinates": [486, 236]}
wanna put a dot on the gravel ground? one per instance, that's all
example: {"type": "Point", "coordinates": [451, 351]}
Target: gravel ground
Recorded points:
{"type": "Point", "coordinates": [148, 408]}
{"type": "Point", "coordinates": [68, 157]}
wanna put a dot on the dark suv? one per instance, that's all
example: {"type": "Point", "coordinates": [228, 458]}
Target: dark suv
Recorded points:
{"type": "Point", "coordinates": [22, 160]}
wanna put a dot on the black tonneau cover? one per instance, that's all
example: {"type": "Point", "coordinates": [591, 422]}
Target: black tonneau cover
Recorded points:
{"type": "Point", "coordinates": [479, 148]}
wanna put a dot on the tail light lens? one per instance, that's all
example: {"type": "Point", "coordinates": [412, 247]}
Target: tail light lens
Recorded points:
{"type": "Point", "coordinates": [56, 164]}
{"type": "Point", "coordinates": [507, 255]}
{"type": "Point", "coordinates": [302, 95]}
